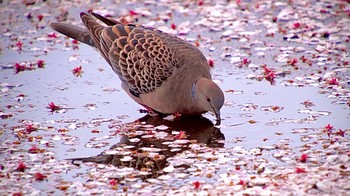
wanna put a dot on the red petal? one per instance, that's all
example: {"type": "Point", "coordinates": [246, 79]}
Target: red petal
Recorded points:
{"type": "Point", "coordinates": [19, 44]}
{"type": "Point", "coordinates": [196, 184]}
{"type": "Point", "coordinates": [211, 63]}
{"type": "Point", "coordinates": [132, 13]}
{"type": "Point", "coordinates": [78, 71]}
{"type": "Point", "coordinates": [296, 25]}
{"type": "Point", "coordinates": [19, 67]}
{"type": "Point", "coordinates": [33, 149]}
{"type": "Point", "coordinates": [245, 61]}
{"type": "Point", "coordinates": [300, 170]}
{"type": "Point", "coordinates": [113, 182]}
{"type": "Point", "coordinates": [328, 127]}
{"type": "Point", "coordinates": [40, 17]}
{"type": "Point", "coordinates": [40, 63]}
{"type": "Point", "coordinates": [303, 158]}
{"type": "Point", "coordinates": [39, 176]}
{"type": "Point", "coordinates": [21, 167]}
{"type": "Point", "coordinates": [52, 35]}
{"type": "Point", "coordinates": [181, 135]}
{"type": "Point", "coordinates": [53, 107]}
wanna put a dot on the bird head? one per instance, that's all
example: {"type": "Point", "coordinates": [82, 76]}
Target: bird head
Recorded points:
{"type": "Point", "coordinates": [210, 97]}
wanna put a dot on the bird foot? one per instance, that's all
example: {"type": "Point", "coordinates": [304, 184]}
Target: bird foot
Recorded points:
{"type": "Point", "coordinates": [177, 115]}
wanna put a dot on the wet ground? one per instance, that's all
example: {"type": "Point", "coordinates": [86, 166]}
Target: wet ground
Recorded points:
{"type": "Point", "coordinates": [284, 67]}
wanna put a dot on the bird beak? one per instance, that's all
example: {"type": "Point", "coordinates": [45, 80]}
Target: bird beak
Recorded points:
{"type": "Point", "coordinates": [218, 118]}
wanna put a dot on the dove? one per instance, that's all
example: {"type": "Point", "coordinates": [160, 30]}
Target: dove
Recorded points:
{"type": "Point", "coordinates": [160, 71]}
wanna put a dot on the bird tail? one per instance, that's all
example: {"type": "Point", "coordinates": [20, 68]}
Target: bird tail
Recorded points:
{"type": "Point", "coordinates": [107, 21]}
{"type": "Point", "coordinates": [72, 31]}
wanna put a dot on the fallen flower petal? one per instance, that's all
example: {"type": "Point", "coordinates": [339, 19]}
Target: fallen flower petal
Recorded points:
{"type": "Point", "coordinates": [308, 103]}
{"type": "Point", "coordinates": [332, 81]}
{"type": "Point", "coordinates": [266, 70]}
{"type": "Point", "coordinates": [21, 167]}
{"type": "Point", "coordinates": [95, 131]}
{"type": "Point", "coordinates": [150, 133]}
{"type": "Point", "coordinates": [113, 182]}
{"type": "Point", "coordinates": [292, 62]}
{"type": "Point", "coordinates": [303, 158]}
{"type": "Point", "coordinates": [274, 19]}
{"type": "Point", "coordinates": [276, 108]}
{"type": "Point", "coordinates": [30, 128]}
{"type": "Point", "coordinates": [196, 43]}
{"type": "Point", "coordinates": [40, 63]}
{"type": "Point", "coordinates": [245, 61]}
{"type": "Point", "coordinates": [39, 176]}
{"type": "Point", "coordinates": [19, 45]}
{"type": "Point", "coordinates": [299, 170]}
{"type": "Point", "coordinates": [341, 132]}
{"type": "Point", "coordinates": [78, 71]}
{"type": "Point", "coordinates": [52, 35]}
{"type": "Point", "coordinates": [328, 127]}
{"type": "Point", "coordinates": [173, 26]}
{"type": "Point", "coordinates": [19, 68]}
{"type": "Point", "coordinates": [132, 13]}
{"type": "Point", "coordinates": [211, 63]}
{"type": "Point", "coordinates": [196, 185]}
{"type": "Point", "coordinates": [34, 149]}
{"type": "Point", "coordinates": [181, 135]}
{"type": "Point", "coordinates": [296, 25]}
{"type": "Point", "coordinates": [40, 17]}
{"type": "Point", "coordinates": [270, 77]}
{"type": "Point", "coordinates": [53, 107]}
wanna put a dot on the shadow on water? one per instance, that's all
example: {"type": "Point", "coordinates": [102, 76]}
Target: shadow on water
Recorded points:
{"type": "Point", "coordinates": [147, 143]}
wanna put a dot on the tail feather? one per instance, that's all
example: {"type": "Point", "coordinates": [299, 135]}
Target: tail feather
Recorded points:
{"type": "Point", "coordinates": [107, 21]}
{"type": "Point", "coordinates": [72, 31]}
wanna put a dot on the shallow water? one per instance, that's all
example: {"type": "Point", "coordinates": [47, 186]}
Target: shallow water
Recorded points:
{"type": "Point", "coordinates": [103, 90]}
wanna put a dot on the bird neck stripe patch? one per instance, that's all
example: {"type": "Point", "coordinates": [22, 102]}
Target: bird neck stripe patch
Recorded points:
{"type": "Point", "coordinates": [193, 91]}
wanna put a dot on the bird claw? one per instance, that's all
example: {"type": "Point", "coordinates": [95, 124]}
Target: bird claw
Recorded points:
{"type": "Point", "coordinates": [177, 115]}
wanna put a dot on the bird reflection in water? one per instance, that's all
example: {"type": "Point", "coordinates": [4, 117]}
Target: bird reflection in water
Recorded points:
{"type": "Point", "coordinates": [146, 148]}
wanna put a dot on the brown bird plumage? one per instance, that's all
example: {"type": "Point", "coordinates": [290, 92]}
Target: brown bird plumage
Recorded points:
{"type": "Point", "coordinates": [159, 71]}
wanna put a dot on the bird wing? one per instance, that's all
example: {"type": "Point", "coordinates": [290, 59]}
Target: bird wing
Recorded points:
{"type": "Point", "coordinates": [143, 58]}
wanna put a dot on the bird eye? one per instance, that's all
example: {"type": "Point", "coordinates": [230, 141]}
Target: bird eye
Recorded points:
{"type": "Point", "coordinates": [208, 99]}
